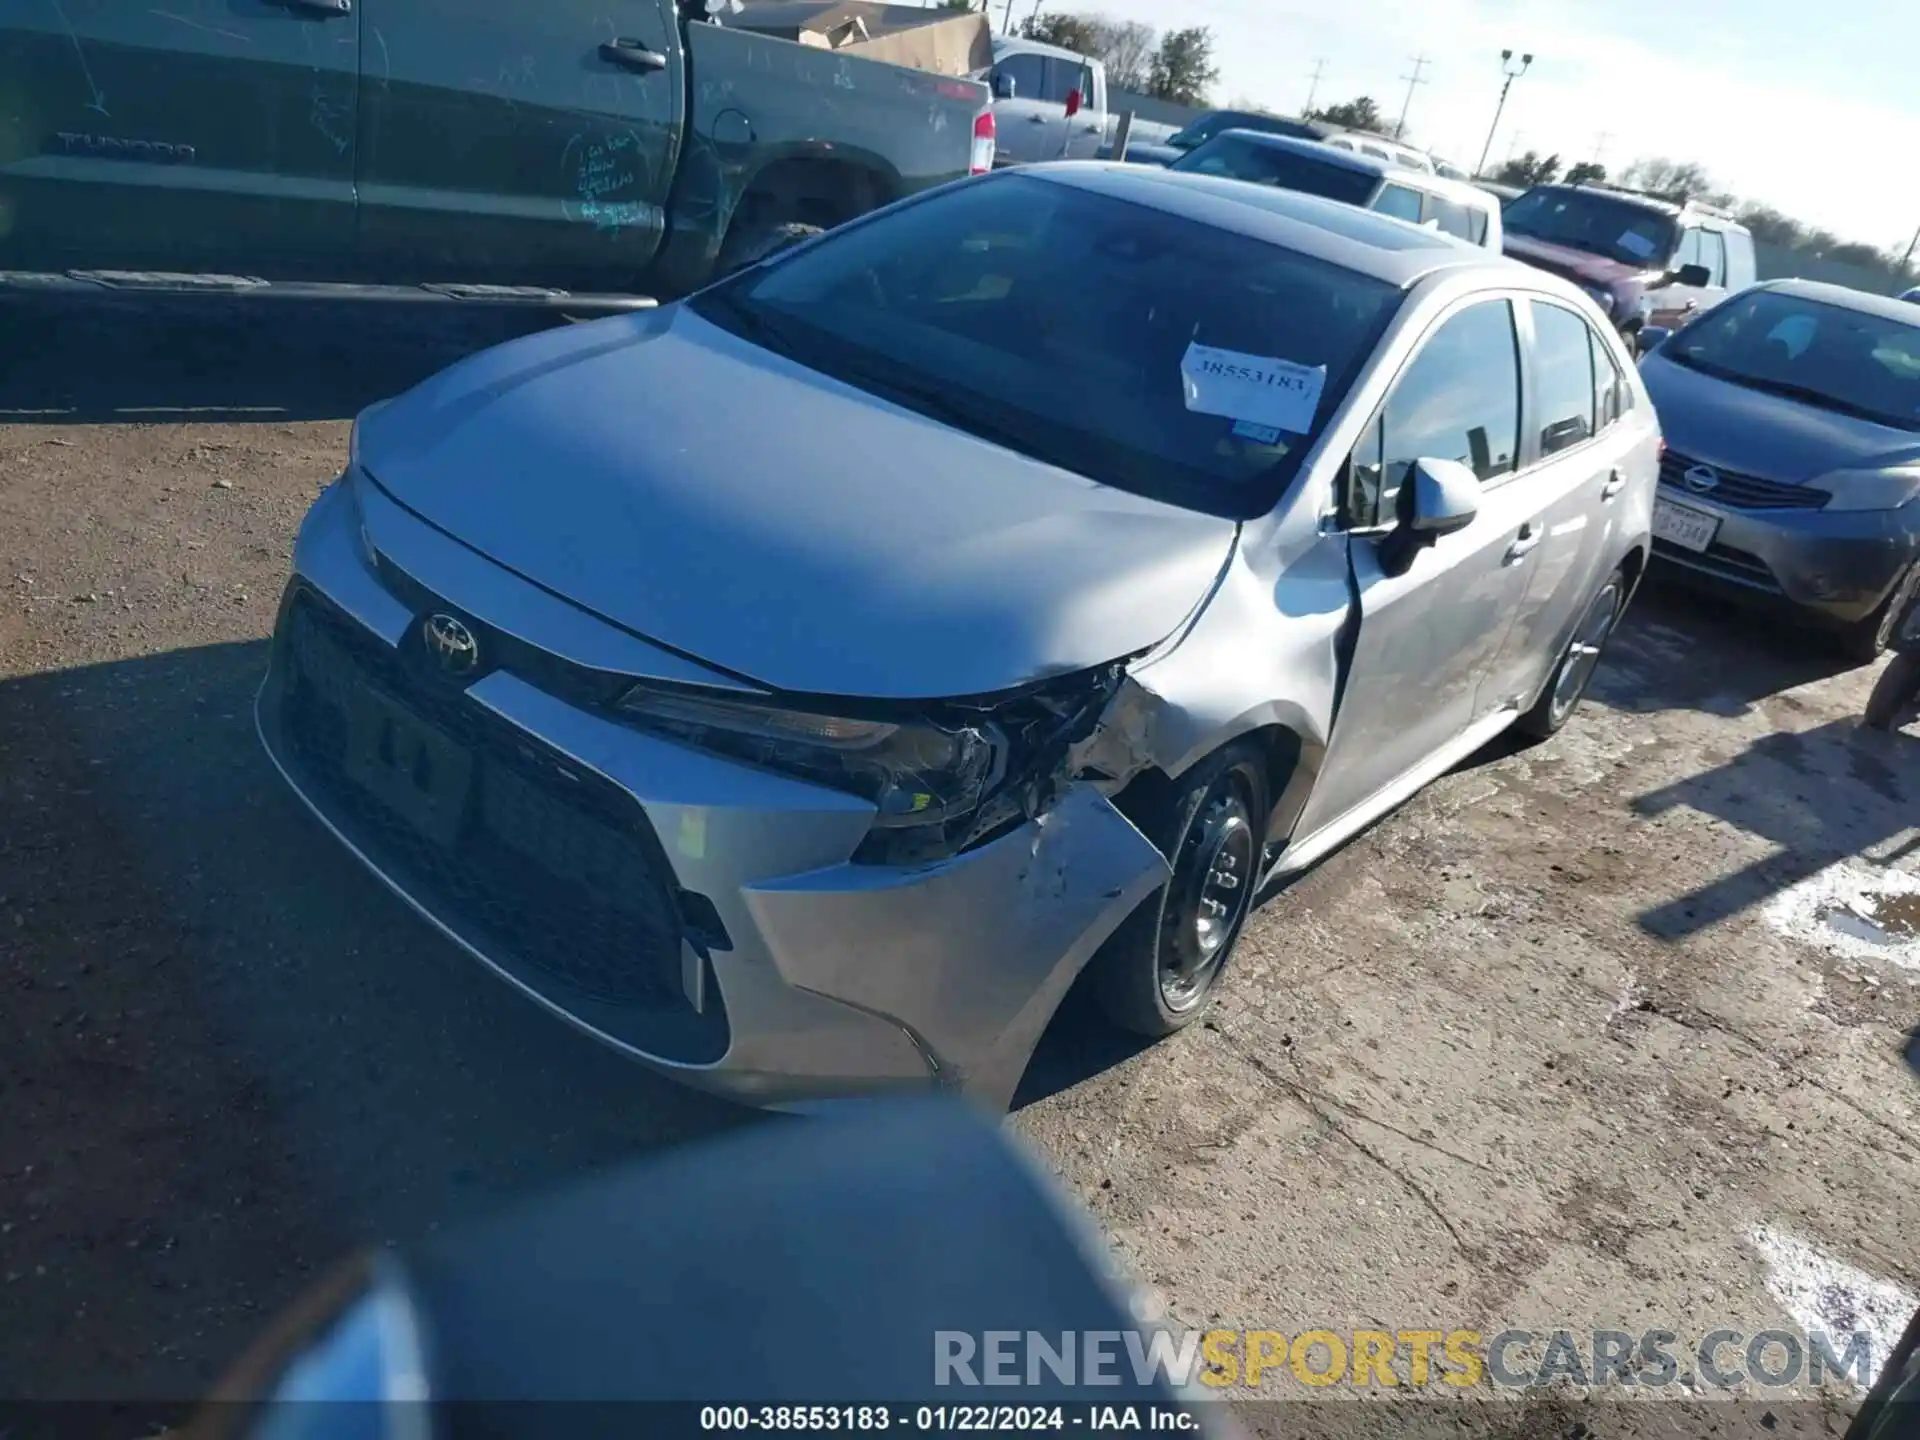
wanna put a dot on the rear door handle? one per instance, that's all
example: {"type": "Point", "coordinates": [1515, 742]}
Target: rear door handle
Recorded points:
{"type": "Point", "coordinates": [632, 55]}
{"type": "Point", "coordinates": [320, 7]}
{"type": "Point", "coordinates": [1528, 537]}
{"type": "Point", "coordinates": [1616, 482]}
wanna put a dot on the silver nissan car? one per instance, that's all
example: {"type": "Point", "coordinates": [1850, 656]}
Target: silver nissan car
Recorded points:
{"type": "Point", "coordinates": [798, 686]}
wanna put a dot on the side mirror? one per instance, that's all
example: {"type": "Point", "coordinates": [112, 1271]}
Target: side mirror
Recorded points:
{"type": "Point", "coordinates": [1002, 85]}
{"type": "Point", "coordinates": [1073, 103]}
{"type": "Point", "coordinates": [1650, 337]}
{"type": "Point", "coordinates": [1446, 497]}
{"type": "Point", "coordinates": [1695, 276]}
{"type": "Point", "coordinates": [1438, 497]}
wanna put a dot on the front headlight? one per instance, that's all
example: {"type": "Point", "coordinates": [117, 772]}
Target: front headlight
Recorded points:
{"type": "Point", "coordinates": [1871, 489]}
{"type": "Point", "coordinates": [915, 773]}
{"type": "Point", "coordinates": [942, 775]}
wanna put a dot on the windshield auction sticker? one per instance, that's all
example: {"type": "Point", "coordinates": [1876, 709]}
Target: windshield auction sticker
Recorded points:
{"type": "Point", "coordinates": [1258, 389]}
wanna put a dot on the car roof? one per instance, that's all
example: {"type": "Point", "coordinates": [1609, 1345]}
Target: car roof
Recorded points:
{"type": "Point", "coordinates": [1460, 190]}
{"type": "Point", "coordinates": [1345, 235]}
{"type": "Point", "coordinates": [1014, 45]}
{"type": "Point", "coordinates": [1331, 155]}
{"type": "Point", "coordinates": [1886, 307]}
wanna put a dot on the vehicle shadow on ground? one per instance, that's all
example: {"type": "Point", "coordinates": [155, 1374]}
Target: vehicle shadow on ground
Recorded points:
{"type": "Point", "coordinates": [231, 1055]}
{"type": "Point", "coordinates": [1682, 649]}
{"type": "Point", "coordinates": [69, 364]}
{"type": "Point", "coordinates": [1821, 796]}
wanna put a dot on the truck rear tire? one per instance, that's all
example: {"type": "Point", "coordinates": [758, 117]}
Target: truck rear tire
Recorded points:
{"type": "Point", "coordinates": [1894, 691]}
{"type": "Point", "coordinates": [755, 243]}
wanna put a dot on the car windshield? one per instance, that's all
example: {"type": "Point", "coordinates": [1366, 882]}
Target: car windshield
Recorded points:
{"type": "Point", "coordinates": [1239, 158]}
{"type": "Point", "coordinates": [1598, 224]}
{"type": "Point", "coordinates": [1825, 355]}
{"type": "Point", "coordinates": [1142, 349]}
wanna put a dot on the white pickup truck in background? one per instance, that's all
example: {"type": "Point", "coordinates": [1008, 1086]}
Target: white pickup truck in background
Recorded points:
{"type": "Point", "coordinates": [1048, 103]}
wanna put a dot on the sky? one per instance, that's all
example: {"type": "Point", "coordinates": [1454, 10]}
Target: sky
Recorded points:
{"type": "Point", "coordinates": [1813, 111]}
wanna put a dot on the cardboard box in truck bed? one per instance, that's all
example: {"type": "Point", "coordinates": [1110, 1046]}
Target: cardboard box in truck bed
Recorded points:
{"type": "Point", "coordinates": [943, 42]}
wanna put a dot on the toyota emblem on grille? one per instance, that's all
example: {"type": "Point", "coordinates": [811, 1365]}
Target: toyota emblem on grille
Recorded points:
{"type": "Point", "coordinates": [1700, 478]}
{"type": "Point", "coordinates": [451, 644]}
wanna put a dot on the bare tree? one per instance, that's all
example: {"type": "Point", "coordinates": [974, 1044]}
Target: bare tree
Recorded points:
{"type": "Point", "coordinates": [1127, 47]}
{"type": "Point", "coordinates": [1587, 172]}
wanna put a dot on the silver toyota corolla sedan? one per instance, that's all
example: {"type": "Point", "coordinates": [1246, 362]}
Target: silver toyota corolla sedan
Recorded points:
{"type": "Point", "coordinates": [798, 686]}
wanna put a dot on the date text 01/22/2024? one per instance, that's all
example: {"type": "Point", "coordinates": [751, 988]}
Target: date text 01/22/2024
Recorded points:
{"type": "Point", "coordinates": [991, 1419]}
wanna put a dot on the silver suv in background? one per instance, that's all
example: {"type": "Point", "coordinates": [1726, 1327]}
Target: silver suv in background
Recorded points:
{"type": "Point", "coordinates": [1452, 207]}
{"type": "Point", "coordinates": [1048, 103]}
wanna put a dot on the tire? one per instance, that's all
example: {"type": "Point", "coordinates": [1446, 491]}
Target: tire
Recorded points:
{"type": "Point", "coordinates": [1568, 684]}
{"type": "Point", "coordinates": [1156, 973]}
{"type": "Point", "coordinates": [1865, 640]}
{"type": "Point", "coordinates": [756, 242]}
{"type": "Point", "coordinates": [1894, 691]}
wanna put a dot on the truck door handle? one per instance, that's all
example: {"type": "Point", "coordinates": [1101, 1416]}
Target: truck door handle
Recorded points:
{"type": "Point", "coordinates": [1616, 482]}
{"type": "Point", "coordinates": [632, 55]}
{"type": "Point", "coordinates": [1528, 537]}
{"type": "Point", "coordinates": [320, 7]}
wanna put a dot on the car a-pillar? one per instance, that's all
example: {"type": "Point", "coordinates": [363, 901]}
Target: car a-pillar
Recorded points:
{"type": "Point", "coordinates": [793, 200]}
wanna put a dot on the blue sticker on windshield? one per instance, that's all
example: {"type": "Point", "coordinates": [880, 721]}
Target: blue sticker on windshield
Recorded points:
{"type": "Point", "coordinates": [1247, 430]}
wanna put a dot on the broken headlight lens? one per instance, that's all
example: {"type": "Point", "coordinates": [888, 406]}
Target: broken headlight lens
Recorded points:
{"type": "Point", "coordinates": [915, 772]}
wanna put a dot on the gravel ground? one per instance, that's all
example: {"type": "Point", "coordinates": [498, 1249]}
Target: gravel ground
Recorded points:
{"type": "Point", "coordinates": [1534, 1052]}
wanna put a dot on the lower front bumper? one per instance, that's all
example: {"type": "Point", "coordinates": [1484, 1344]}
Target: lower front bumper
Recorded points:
{"type": "Point", "coordinates": [1840, 566]}
{"type": "Point", "coordinates": [815, 978]}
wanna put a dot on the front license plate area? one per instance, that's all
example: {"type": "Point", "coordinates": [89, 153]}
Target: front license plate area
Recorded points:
{"type": "Point", "coordinates": [1684, 526]}
{"type": "Point", "coordinates": [409, 767]}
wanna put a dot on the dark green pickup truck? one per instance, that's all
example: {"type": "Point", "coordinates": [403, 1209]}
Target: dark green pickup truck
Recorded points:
{"type": "Point", "coordinates": [608, 145]}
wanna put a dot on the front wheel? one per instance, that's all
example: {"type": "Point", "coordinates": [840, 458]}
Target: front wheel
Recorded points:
{"type": "Point", "coordinates": [752, 244]}
{"type": "Point", "coordinates": [1894, 691]}
{"type": "Point", "coordinates": [1864, 640]}
{"type": "Point", "coordinates": [1577, 662]}
{"type": "Point", "coordinates": [1156, 973]}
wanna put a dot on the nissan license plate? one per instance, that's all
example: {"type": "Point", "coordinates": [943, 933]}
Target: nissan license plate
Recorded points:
{"type": "Point", "coordinates": [408, 766]}
{"type": "Point", "coordinates": [1683, 525]}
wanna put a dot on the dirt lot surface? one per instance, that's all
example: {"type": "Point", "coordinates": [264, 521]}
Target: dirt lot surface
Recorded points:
{"type": "Point", "coordinates": [1555, 1046]}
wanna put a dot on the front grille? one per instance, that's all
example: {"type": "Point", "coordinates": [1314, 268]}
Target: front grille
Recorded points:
{"type": "Point", "coordinates": [1742, 492]}
{"type": "Point", "coordinates": [546, 863]}
{"type": "Point", "coordinates": [1725, 561]}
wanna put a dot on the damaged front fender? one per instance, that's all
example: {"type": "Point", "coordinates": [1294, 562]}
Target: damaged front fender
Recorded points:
{"type": "Point", "coordinates": [972, 955]}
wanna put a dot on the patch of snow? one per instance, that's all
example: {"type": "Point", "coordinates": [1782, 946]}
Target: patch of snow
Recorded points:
{"type": "Point", "coordinates": [1841, 910]}
{"type": "Point", "coordinates": [1825, 1295]}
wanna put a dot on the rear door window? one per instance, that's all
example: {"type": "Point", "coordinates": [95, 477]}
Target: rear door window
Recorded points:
{"type": "Point", "coordinates": [1066, 76]}
{"type": "Point", "coordinates": [1455, 219]}
{"type": "Point", "coordinates": [1563, 383]}
{"type": "Point", "coordinates": [1713, 255]}
{"type": "Point", "coordinates": [1611, 395]}
{"type": "Point", "coordinates": [1399, 202]}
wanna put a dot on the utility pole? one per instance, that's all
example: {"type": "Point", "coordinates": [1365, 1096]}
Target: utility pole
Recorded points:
{"type": "Point", "coordinates": [1907, 259]}
{"type": "Point", "coordinates": [1319, 69]}
{"type": "Point", "coordinates": [1600, 145]}
{"type": "Point", "coordinates": [1506, 68]}
{"type": "Point", "coordinates": [1006, 26]}
{"type": "Point", "coordinates": [1420, 62]}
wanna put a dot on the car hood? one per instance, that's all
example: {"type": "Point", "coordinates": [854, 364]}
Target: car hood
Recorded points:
{"type": "Point", "coordinates": [711, 496]}
{"type": "Point", "coordinates": [1566, 261]}
{"type": "Point", "coordinates": [1730, 426]}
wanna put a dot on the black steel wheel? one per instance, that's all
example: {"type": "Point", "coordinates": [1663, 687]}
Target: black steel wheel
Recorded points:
{"type": "Point", "coordinates": [1157, 972]}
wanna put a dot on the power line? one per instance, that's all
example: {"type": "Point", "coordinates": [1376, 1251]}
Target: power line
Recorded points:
{"type": "Point", "coordinates": [1420, 62]}
{"type": "Point", "coordinates": [1319, 69]}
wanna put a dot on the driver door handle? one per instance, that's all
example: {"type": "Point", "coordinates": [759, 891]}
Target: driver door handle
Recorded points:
{"type": "Point", "coordinates": [320, 7]}
{"type": "Point", "coordinates": [1528, 537]}
{"type": "Point", "coordinates": [1616, 482]}
{"type": "Point", "coordinates": [632, 55]}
